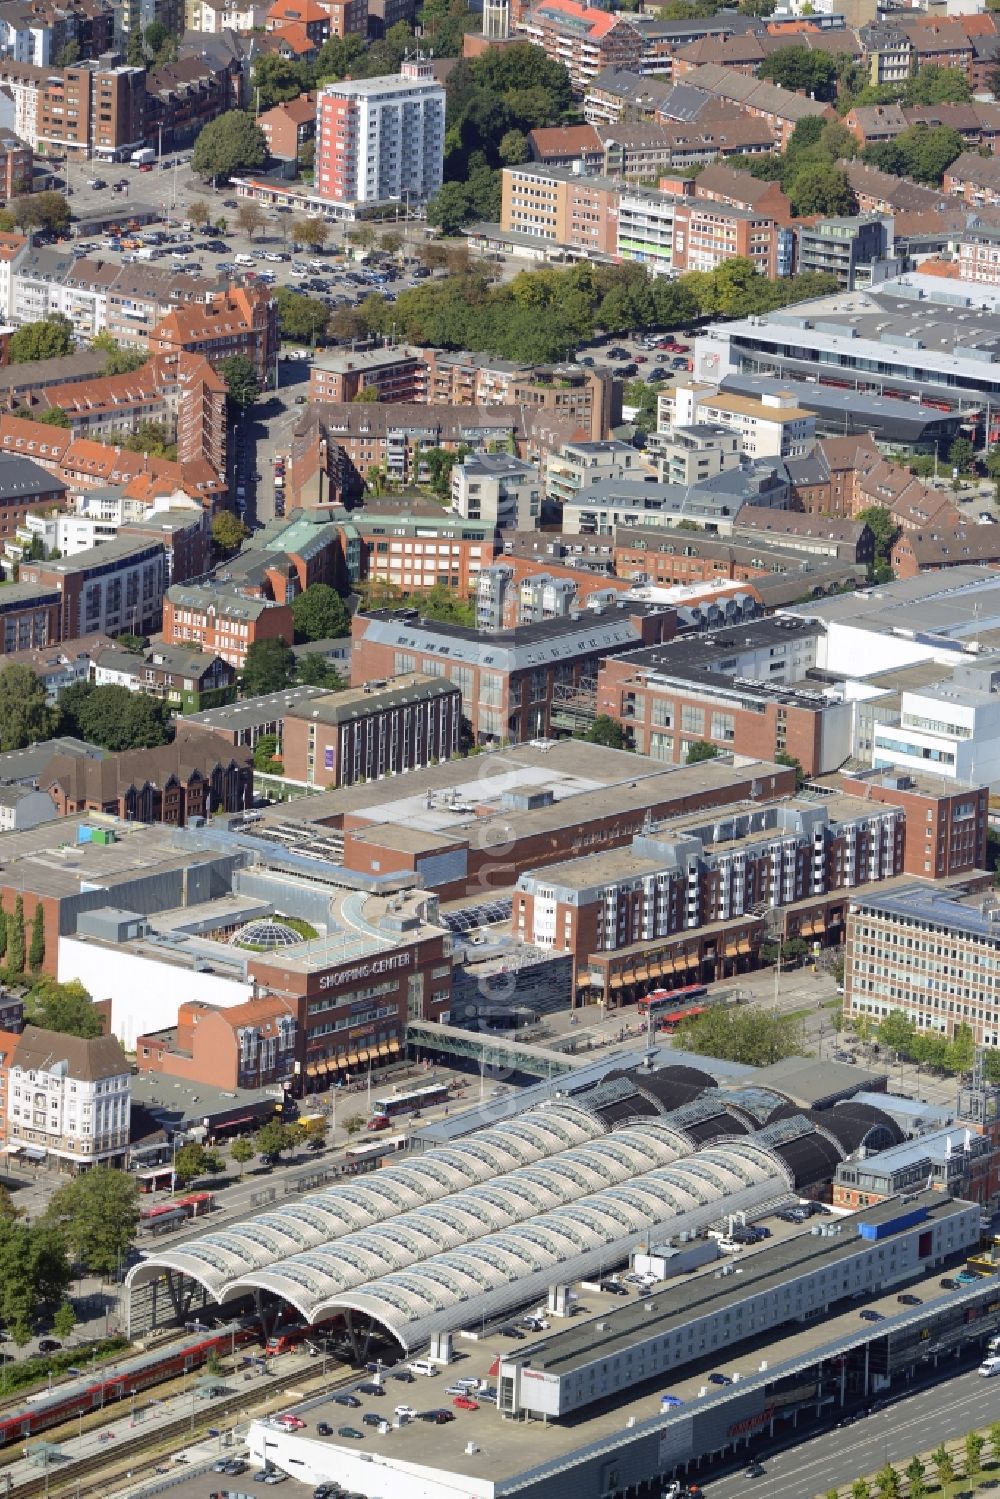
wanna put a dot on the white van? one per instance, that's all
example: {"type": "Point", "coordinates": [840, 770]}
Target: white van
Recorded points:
{"type": "Point", "coordinates": [243, 259]}
{"type": "Point", "coordinates": [989, 1366]}
{"type": "Point", "coordinates": [422, 1366]}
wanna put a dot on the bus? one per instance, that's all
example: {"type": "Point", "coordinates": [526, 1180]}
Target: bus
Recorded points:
{"type": "Point", "coordinates": [178, 1210]}
{"type": "Point", "coordinates": [156, 1179]}
{"type": "Point", "coordinates": [660, 1001]}
{"type": "Point", "coordinates": [366, 1157]}
{"type": "Point", "coordinates": [675, 1018]}
{"type": "Point", "coordinates": [399, 1104]}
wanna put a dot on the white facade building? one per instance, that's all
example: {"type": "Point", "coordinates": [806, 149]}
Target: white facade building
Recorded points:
{"type": "Point", "coordinates": [498, 489]}
{"type": "Point", "coordinates": [381, 139]}
{"type": "Point", "coordinates": [952, 728]}
{"type": "Point", "coordinates": [67, 1097]}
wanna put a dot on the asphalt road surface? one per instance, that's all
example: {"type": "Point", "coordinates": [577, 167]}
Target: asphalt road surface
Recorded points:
{"type": "Point", "coordinates": [916, 1424]}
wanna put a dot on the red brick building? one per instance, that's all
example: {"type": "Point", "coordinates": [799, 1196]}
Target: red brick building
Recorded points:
{"type": "Point", "coordinates": [520, 684]}
{"type": "Point", "coordinates": [193, 777]}
{"type": "Point", "coordinates": [289, 125]}
{"type": "Point", "coordinates": [242, 320]}
{"type": "Point", "coordinates": [222, 622]}
{"type": "Point", "coordinates": [253, 1045]}
{"type": "Point", "coordinates": [945, 819]}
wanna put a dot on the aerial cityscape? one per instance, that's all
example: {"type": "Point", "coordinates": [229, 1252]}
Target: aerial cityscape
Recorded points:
{"type": "Point", "coordinates": [500, 749]}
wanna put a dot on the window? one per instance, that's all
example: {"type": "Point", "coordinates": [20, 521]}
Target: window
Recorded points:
{"type": "Point", "coordinates": [692, 719]}
{"type": "Point", "coordinates": [723, 727]}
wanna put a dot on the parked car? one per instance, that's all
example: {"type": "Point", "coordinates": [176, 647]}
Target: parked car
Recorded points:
{"type": "Point", "coordinates": [324, 1429]}
{"type": "Point", "coordinates": [403, 1375]}
{"type": "Point", "coordinates": [465, 1403]}
{"type": "Point", "coordinates": [372, 1387]}
{"type": "Point", "coordinates": [405, 1412]}
{"type": "Point", "coordinates": [350, 1433]}
{"type": "Point", "coordinates": [372, 1418]}
{"type": "Point", "coordinates": [719, 1379]}
{"type": "Point", "coordinates": [908, 1299]}
{"type": "Point", "coordinates": [351, 1400]}
{"type": "Point", "coordinates": [869, 1314]}
{"type": "Point", "coordinates": [48, 1345]}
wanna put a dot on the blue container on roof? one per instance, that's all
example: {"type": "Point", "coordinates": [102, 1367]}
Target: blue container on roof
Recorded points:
{"type": "Point", "coordinates": [905, 1218]}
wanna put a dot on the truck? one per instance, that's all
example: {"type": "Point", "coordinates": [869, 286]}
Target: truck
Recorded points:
{"type": "Point", "coordinates": [990, 1366]}
{"type": "Point", "coordinates": [145, 157]}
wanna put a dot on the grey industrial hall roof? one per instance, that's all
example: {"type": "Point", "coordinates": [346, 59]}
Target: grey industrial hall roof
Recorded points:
{"type": "Point", "coordinates": [852, 410]}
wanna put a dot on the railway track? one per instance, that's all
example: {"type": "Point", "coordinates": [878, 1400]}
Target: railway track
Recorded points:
{"type": "Point", "coordinates": [104, 1469]}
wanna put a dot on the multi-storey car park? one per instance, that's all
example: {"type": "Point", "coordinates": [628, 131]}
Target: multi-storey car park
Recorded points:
{"type": "Point", "coordinates": [439, 1247]}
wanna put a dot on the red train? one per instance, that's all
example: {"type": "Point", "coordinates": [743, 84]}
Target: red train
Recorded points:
{"type": "Point", "coordinates": [101, 1389]}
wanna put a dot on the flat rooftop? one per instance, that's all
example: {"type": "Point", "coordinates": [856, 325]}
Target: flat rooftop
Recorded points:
{"type": "Point", "coordinates": [48, 860]}
{"type": "Point", "coordinates": [962, 604]}
{"type": "Point", "coordinates": [461, 796]}
{"type": "Point", "coordinates": [504, 1450]}
{"type": "Point", "coordinates": [252, 711]}
{"type": "Point", "coordinates": [943, 910]}
{"type": "Point", "coordinates": [698, 1295]}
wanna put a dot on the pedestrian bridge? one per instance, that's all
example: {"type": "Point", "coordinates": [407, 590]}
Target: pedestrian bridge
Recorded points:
{"type": "Point", "coordinates": [490, 1050]}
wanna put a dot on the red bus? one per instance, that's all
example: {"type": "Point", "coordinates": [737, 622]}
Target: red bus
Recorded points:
{"type": "Point", "coordinates": [661, 1001]}
{"type": "Point", "coordinates": [677, 1017]}
{"type": "Point", "coordinates": [387, 1109]}
{"type": "Point", "coordinates": [192, 1206]}
{"type": "Point", "coordinates": [156, 1179]}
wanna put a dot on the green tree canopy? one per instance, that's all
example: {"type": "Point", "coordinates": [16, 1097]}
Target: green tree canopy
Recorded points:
{"type": "Point", "coordinates": [320, 613]}
{"type": "Point", "coordinates": [274, 1138]}
{"type": "Point", "coordinates": [25, 716]}
{"type": "Point", "coordinates": [228, 531]}
{"type": "Point", "coordinates": [277, 79]}
{"type": "Point", "coordinates": [193, 1160]}
{"type": "Point", "coordinates": [241, 379]}
{"type": "Point", "coordinates": [607, 731]}
{"type": "Point", "coordinates": [270, 666]}
{"type": "Point", "coordinates": [883, 527]}
{"type": "Point", "coordinates": [66, 1008]}
{"type": "Point", "coordinates": [98, 1212]}
{"type": "Point", "coordinates": [747, 1034]}
{"type": "Point", "coordinates": [314, 670]}
{"type": "Point", "coordinates": [118, 719]}
{"type": "Point", "coordinates": [303, 319]}
{"type": "Point", "coordinates": [52, 338]}
{"type": "Point", "coordinates": [120, 361]}
{"type": "Point", "coordinates": [922, 152]}
{"type": "Point", "coordinates": [265, 754]}
{"type": "Point", "coordinates": [242, 1151]}
{"type": "Point", "coordinates": [700, 749]}
{"type": "Point", "coordinates": [803, 70]}
{"type": "Point", "coordinates": [231, 143]}
{"type": "Point", "coordinates": [47, 210]}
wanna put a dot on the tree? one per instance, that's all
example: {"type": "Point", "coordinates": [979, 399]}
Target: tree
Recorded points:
{"type": "Point", "coordinates": [943, 1467]}
{"type": "Point", "coordinates": [749, 1034]}
{"type": "Point", "coordinates": [36, 952]}
{"type": "Point", "coordinates": [249, 218]}
{"type": "Point", "coordinates": [242, 1151]}
{"type": "Point", "coordinates": [821, 189]}
{"type": "Point", "coordinates": [48, 210]}
{"type": "Point", "coordinates": [241, 380]}
{"type": "Point", "coordinates": [273, 1139]}
{"type": "Point", "coordinates": [700, 749]}
{"type": "Point", "coordinates": [193, 1160]}
{"type": "Point", "coordinates": [605, 730]}
{"type": "Point", "coordinates": [278, 79]}
{"type": "Point", "coordinates": [302, 318]}
{"type": "Point", "coordinates": [119, 361]}
{"type": "Point", "coordinates": [320, 613]}
{"type": "Point", "coordinates": [231, 143]}
{"type": "Point", "coordinates": [99, 1214]}
{"type": "Point", "coordinates": [265, 754]}
{"type": "Point", "coordinates": [884, 529]}
{"type": "Point", "coordinates": [315, 671]}
{"type": "Point", "coordinates": [784, 758]}
{"type": "Point", "coordinates": [66, 1008]}
{"type": "Point", "coordinates": [25, 716]}
{"type": "Point", "coordinates": [199, 213]}
{"type": "Point", "coordinates": [68, 55]}
{"type": "Point", "coordinates": [920, 152]}
{"type": "Point", "coordinates": [352, 1124]}
{"type": "Point", "coordinates": [860, 1489]}
{"type": "Point", "coordinates": [513, 148]}
{"type": "Point", "coordinates": [887, 1482]}
{"type": "Point", "coordinates": [346, 323]}
{"type": "Point", "coordinates": [270, 666]}
{"type": "Point", "coordinates": [52, 338]}
{"type": "Point", "coordinates": [974, 1444]}
{"type": "Point", "coordinates": [916, 1479]}
{"type": "Point", "coordinates": [313, 233]}
{"type": "Point", "coordinates": [135, 52]}
{"type": "Point", "coordinates": [228, 531]}
{"type": "Point", "coordinates": [368, 395]}
{"type": "Point", "coordinates": [391, 243]}
{"type": "Point", "coordinates": [15, 938]}
{"type": "Point", "coordinates": [961, 454]}
{"type": "Point", "coordinates": [803, 70]}
{"type": "Point", "coordinates": [118, 719]}
{"type": "Point", "coordinates": [64, 1320]}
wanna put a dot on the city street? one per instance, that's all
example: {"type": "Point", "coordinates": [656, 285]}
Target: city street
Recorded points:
{"type": "Point", "coordinates": [834, 1458]}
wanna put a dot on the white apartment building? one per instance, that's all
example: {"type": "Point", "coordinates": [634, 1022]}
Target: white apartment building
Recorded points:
{"type": "Point", "coordinates": [773, 427]}
{"type": "Point", "coordinates": [381, 139]}
{"type": "Point", "coordinates": [952, 728]}
{"type": "Point", "coordinates": [498, 489]}
{"type": "Point", "coordinates": [213, 17]}
{"type": "Point", "coordinates": [66, 1097]}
